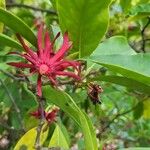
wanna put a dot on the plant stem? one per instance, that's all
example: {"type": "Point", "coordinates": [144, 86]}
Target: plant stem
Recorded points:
{"type": "Point", "coordinates": [143, 36]}
{"type": "Point", "coordinates": [11, 5]}
{"type": "Point", "coordinates": [41, 123]}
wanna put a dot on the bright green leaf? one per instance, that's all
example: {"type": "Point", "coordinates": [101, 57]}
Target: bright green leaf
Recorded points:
{"type": "Point", "coordinates": [124, 81]}
{"type": "Point", "coordinates": [66, 103]}
{"type": "Point", "coordinates": [16, 24]}
{"type": "Point", "coordinates": [138, 148]}
{"type": "Point", "coordinates": [86, 22]}
{"type": "Point", "coordinates": [27, 141]}
{"type": "Point", "coordinates": [7, 41]}
{"type": "Point", "coordinates": [125, 4]}
{"type": "Point", "coordinates": [146, 113]}
{"type": "Point", "coordinates": [140, 9]}
{"type": "Point", "coordinates": [114, 45]}
{"type": "Point", "coordinates": [131, 66]}
{"type": "Point", "coordinates": [2, 5]}
{"type": "Point", "coordinates": [58, 139]}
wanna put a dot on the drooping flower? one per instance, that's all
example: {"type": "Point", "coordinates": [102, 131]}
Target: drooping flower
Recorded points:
{"type": "Point", "coordinates": [93, 92]}
{"type": "Point", "coordinates": [45, 62]}
{"type": "Point", "coordinates": [49, 116]}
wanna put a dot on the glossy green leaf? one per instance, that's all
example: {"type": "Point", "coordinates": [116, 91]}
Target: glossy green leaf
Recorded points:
{"type": "Point", "coordinates": [131, 66]}
{"type": "Point", "coordinates": [58, 139]}
{"type": "Point", "coordinates": [27, 141]}
{"type": "Point", "coordinates": [2, 5]}
{"type": "Point", "coordinates": [114, 45]}
{"type": "Point", "coordinates": [7, 41]}
{"type": "Point", "coordinates": [66, 103]}
{"type": "Point", "coordinates": [86, 22]}
{"type": "Point", "coordinates": [124, 81]}
{"type": "Point", "coordinates": [16, 24]}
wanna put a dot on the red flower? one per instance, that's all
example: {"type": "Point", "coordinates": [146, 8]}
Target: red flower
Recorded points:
{"type": "Point", "coordinates": [49, 116]}
{"type": "Point", "coordinates": [45, 62]}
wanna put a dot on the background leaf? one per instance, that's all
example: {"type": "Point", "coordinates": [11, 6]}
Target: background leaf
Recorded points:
{"type": "Point", "coordinates": [58, 139]}
{"type": "Point", "coordinates": [86, 22]}
{"type": "Point", "coordinates": [124, 81]}
{"type": "Point", "coordinates": [131, 66]}
{"type": "Point", "coordinates": [17, 25]}
{"type": "Point", "coordinates": [7, 41]}
{"type": "Point", "coordinates": [114, 45]}
{"type": "Point", "coordinates": [2, 5]}
{"type": "Point", "coordinates": [27, 141]}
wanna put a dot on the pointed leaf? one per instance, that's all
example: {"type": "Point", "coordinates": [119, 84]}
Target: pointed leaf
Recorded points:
{"type": "Point", "coordinates": [16, 24]}
{"type": "Point", "coordinates": [114, 45]}
{"type": "Point", "coordinates": [58, 139]}
{"type": "Point", "coordinates": [86, 22]}
{"type": "Point", "coordinates": [2, 5]}
{"type": "Point", "coordinates": [124, 81]}
{"type": "Point", "coordinates": [27, 141]}
{"type": "Point", "coordinates": [66, 103]}
{"type": "Point", "coordinates": [131, 66]}
{"type": "Point", "coordinates": [7, 41]}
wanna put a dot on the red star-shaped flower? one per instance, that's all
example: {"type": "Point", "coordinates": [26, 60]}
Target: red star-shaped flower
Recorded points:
{"type": "Point", "coordinates": [49, 116]}
{"type": "Point", "coordinates": [45, 62]}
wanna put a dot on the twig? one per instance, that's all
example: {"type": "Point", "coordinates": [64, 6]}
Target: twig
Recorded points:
{"type": "Point", "coordinates": [12, 76]}
{"type": "Point", "coordinates": [14, 104]}
{"type": "Point", "coordinates": [117, 116]}
{"type": "Point", "coordinates": [143, 36]}
{"type": "Point", "coordinates": [41, 123]}
{"type": "Point", "coordinates": [11, 5]}
{"type": "Point", "coordinates": [4, 125]}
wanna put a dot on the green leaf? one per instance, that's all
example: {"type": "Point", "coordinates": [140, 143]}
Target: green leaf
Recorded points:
{"type": "Point", "coordinates": [16, 24]}
{"type": "Point", "coordinates": [66, 103]}
{"type": "Point", "coordinates": [7, 41]}
{"type": "Point", "coordinates": [126, 5]}
{"type": "Point", "coordinates": [27, 141]}
{"type": "Point", "coordinates": [2, 5]}
{"type": "Point", "coordinates": [58, 139]}
{"type": "Point", "coordinates": [136, 148]}
{"type": "Point", "coordinates": [86, 22]}
{"type": "Point", "coordinates": [131, 66]}
{"type": "Point", "coordinates": [146, 113]}
{"type": "Point", "coordinates": [53, 3]}
{"type": "Point", "coordinates": [138, 111]}
{"type": "Point", "coordinates": [140, 9]}
{"type": "Point", "coordinates": [114, 45]}
{"type": "Point", "coordinates": [124, 81]}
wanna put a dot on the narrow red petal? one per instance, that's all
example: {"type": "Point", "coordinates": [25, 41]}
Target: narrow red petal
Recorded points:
{"type": "Point", "coordinates": [40, 41]}
{"type": "Point", "coordinates": [20, 65]}
{"type": "Point", "coordinates": [52, 80]}
{"type": "Point", "coordinates": [64, 64]}
{"type": "Point", "coordinates": [39, 86]}
{"type": "Point", "coordinates": [63, 50]}
{"type": "Point", "coordinates": [26, 48]}
{"type": "Point", "coordinates": [48, 47]}
{"type": "Point", "coordinates": [69, 74]}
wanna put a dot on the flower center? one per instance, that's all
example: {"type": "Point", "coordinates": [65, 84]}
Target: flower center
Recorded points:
{"type": "Point", "coordinates": [43, 69]}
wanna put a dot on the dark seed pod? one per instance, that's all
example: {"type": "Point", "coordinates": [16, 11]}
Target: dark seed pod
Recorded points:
{"type": "Point", "coordinates": [93, 92]}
